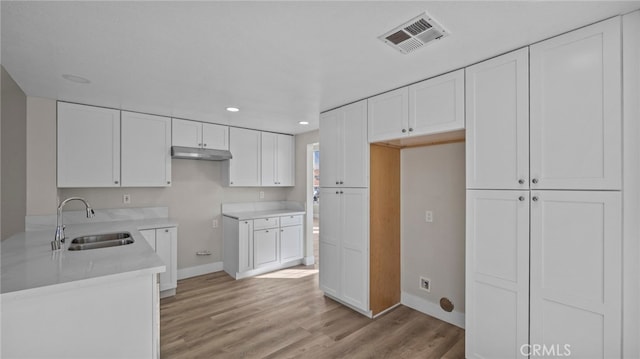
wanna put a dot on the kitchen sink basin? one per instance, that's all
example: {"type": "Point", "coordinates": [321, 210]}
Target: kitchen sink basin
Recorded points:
{"type": "Point", "coordinates": [100, 241]}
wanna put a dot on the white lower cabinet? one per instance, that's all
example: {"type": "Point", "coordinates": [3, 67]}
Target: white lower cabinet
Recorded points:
{"type": "Point", "coordinates": [260, 245]}
{"type": "Point", "coordinates": [344, 245]}
{"type": "Point", "coordinates": [265, 248]}
{"type": "Point", "coordinates": [576, 272]}
{"type": "Point", "coordinates": [497, 284]}
{"type": "Point", "coordinates": [165, 242]}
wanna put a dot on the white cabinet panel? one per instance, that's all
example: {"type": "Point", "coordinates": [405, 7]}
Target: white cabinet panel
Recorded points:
{"type": "Point", "coordinates": [388, 115]}
{"type": "Point", "coordinates": [269, 144]}
{"type": "Point", "coordinates": [167, 248]}
{"type": "Point", "coordinates": [88, 146]}
{"type": "Point", "coordinates": [244, 167]}
{"type": "Point", "coordinates": [576, 109]}
{"type": "Point", "coordinates": [186, 133]}
{"type": "Point", "coordinates": [215, 136]}
{"type": "Point", "coordinates": [285, 160]}
{"type": "Point", "coordinates": [146, 150]}
{"type": "Point", "coordinates": [576, 255]}
{"type": "Point", "coordinates": [330, 238]}
{"type": "Point", "coordinates": [497, 125]}
{"type": "Point", "coordinates": [245, 246]}
{"type": "Point", "coordinates": [265, 247]}
{"type": "Point", "coordinates": [497, 273]}
{"type": "Point", "coordinates": [344, 147]}
{"type": "Point", "coordinates": [150, 236]}
{"type": "Point", "coordinates": [290, 243]}
{"type": "Point", "coordinates": [437, 105]}
{"type": "Point", "coordinates": [265, 223]}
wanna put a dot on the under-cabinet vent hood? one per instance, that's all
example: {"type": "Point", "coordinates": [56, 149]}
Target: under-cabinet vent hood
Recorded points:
{"type": "Point", "coordinates": [205, 154]}
{"type": "Point", "coordinates": [414, 34]}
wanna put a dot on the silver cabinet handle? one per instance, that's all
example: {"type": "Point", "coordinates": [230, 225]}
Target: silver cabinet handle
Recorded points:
{"type": "Point", "coordinates": [521, 181]}
{"type": "Point", "coordinates": [534, 181]}
{"type": "Point", "coordinates": [267, 231]}
{"type": "Point", "coordinates": [199, 144]}
{"type": "Point", "coordinates": [404, 130]}
{"type": "Point", "coordinates": [341, 192]}
{"type": "Point", "coordinates": [341, 182]}
{"type": "Point", "coordinates": [166, 231]}
{"type": "Point", "coordinates": [521, 198]}
{"type": "Point", "coordinates": [116, 182]}
{"type": "Point", "coordinates": [337, 192]}
{"type": "Point", "coordinates": [204, 144]}
{"type": "Point", "coordinates": [410, 129]}
{"type": "Point", "coordinates": [535, 198]}
{"type": "Point", "coordinates": [337, 182]}
{"type": "Point", "coordinates": [168, 182]}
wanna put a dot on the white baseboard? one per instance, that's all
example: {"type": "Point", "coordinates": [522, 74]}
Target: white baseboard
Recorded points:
{"type": "Point", "coordinates": [199, 270]}
{"type": "Point", "coordinates": [432, 309]}
{"type": "Point", "coordinates": [310, 260]}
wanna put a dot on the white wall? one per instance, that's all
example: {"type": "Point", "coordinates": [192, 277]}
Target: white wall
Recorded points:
{"type": "Point", "coordinates": [194, 197]}
{"type": "Point", "coordinates": [433, 178]}
{"type": "Point", "coordinates": [13, 159]}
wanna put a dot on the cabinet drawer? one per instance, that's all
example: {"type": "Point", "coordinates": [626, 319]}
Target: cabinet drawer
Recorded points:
{"type": "Point", "coordinates": [262, 223]}
{"type": "Point", "coordinates": [291, 221]}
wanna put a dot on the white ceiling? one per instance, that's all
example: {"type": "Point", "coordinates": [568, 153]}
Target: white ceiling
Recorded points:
{"type": "Point", "coordinates": [279, 62]}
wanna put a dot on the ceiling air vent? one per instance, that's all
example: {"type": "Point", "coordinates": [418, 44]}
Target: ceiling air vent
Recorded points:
{"type": "Point", "coordinates": [414, 34]}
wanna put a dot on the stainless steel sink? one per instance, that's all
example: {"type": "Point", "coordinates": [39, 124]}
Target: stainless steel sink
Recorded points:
{"type": "Point", "coordinates": [100, 241]}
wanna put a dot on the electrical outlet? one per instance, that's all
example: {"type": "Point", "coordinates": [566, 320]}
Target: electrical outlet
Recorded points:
{"type": "Point", "coordinates": [428, 217]}
{"type": "Point", "coordinates": [425, 284]}
{"type": "Point", "coordinates": [214, 223]}
{"type": "Point", "coordinates": [261, 194]}
{"type": "Point", "coordinates": [126, 199]}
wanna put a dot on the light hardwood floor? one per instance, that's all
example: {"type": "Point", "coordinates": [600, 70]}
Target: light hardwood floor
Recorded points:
{"type": "Point", "coordinates": [284, 315]}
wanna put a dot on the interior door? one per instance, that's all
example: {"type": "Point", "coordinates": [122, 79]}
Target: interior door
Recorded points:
{"type": "Point", "coordinates": [576, 273]}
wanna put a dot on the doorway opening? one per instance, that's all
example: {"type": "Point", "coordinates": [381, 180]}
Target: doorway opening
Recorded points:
{"type": "Point", "coordinates": [313, 204]}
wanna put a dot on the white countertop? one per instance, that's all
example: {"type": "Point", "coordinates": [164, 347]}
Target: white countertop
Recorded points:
{"type": "Point", "coordinates": [29, 265]}
{"type": "Point", "coordinates": [241, 216]}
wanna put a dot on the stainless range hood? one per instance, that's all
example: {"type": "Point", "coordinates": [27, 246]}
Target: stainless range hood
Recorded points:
{"type": "Point", "coordinates": [205, 154]}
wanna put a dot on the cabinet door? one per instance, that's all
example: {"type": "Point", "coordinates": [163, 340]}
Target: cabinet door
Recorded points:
{"type": "Point", "coordinates": [186, 133]}
{"type": "Point", "coordinates": [146, 150]}
{"type": "Point", "coordinates": [354, 250]}
{"type": "Point", "coordinates": [88, 146]}
{"type": "Point", "coordinates": [329, 244]}
{"type": "Point", "coordinates": [355, 147]}
{"type": "Point", "coordinates": [166, 248]}
{"type": "Point", "coordinates": [245, 246]}
{"type": "Point", "coordinates": [285, 160]}
{"type": "Point", "coordinates": [497, 126]}
{"type": "Point", "coordinates": [265, 247]}
{"type": "Point", "coordinates": [576, 273]}
{"type": "Point", "coordinates": [576, 123]}
{"type": "Point", "coordinates": [437, 105]}
{"type": "Point", "coordinates": [269, 148]}
{"type": "Point", "coordinates": [150, 236]}
{"type": "Point", "coordinates": [497, 274]}
{"type": "Point", "coordinates": [290, 243]}
{"type": "Point", "coordinates": [244, 167]}
{"type": "Point", "coordinates": [215, 136]}
{"type": "Point", "coordinates": [331, 147]}
{"type": "Point", "coordinates": [389, 115]}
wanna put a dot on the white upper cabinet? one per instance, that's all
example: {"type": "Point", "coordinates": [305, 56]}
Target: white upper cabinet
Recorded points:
{"type": "Point", "coordinates": [277, 159]}
{"type": "Point", "coordinates": [88, 146]}
{"type": "Point", "coordinates": [244, 167]}
{"type": "Point", "coordinates": [344, 146]}
{"type": "Point", "coordinates": [497, 124]}
{"type": "Point", "coordinates": [215, 136]}
{"type": "Point", "coordinates": [437, 105]}
{"type": "Point", "coordinates": [200, 135]}
{"type": "Point", "coordinates": [576, 119]}
{"type": "Point", "coordinates": [146, 150]}
{"type": "Point", "coordinates": [432, 106]}
{"type": "Point", "coordinates": [389, 115]}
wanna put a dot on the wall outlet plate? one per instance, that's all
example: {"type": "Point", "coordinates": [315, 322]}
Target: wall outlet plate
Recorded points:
{"type": "Point", "coordinates": [428, 216]}
{"type": "Point", "coordinates": [214, 223]}
{"type": "Point", "coordinates": [261, 194]}
{"type": "Point", "coordinates": [425, 284]}
{"type": "Point", "coordinates": [126, 199]}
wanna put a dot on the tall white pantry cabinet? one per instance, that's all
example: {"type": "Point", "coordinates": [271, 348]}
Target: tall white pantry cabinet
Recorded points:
{"type": "Point", "coordinates": [544, 159]}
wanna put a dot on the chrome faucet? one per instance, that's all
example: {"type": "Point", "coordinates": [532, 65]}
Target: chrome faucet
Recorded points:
{"type": "Point", "coordinates": [56, 244]}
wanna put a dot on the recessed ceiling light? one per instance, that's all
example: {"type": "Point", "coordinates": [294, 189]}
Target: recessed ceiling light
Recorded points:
{"type": "Point", "coordinates": [233, 109]}
{"type": "Point", "coordinates": [76, 79]}
{"type": "Point", "coordinates": [303, 122]}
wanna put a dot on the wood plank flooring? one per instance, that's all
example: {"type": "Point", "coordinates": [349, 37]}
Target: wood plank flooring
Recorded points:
{"type": "Point", "coordinates": [284, 315]}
